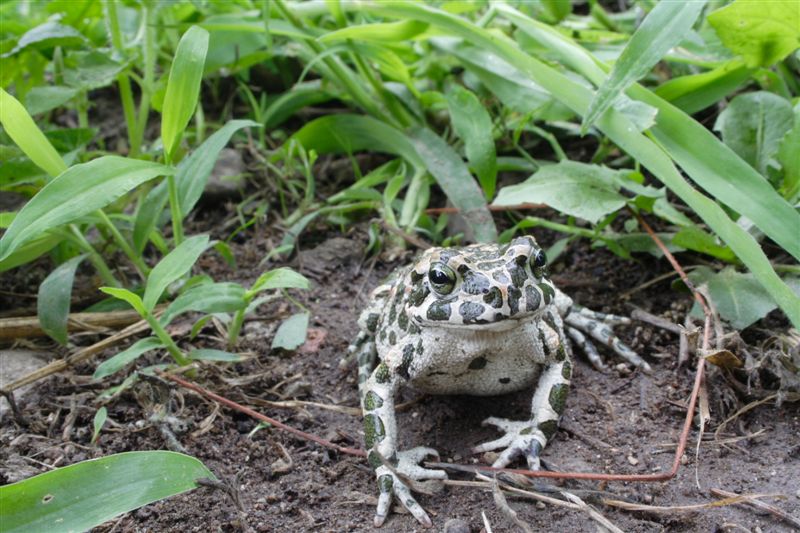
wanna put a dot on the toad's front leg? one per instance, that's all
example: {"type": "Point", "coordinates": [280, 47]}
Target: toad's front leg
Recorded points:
{"type": "Point", "coordinates": [528, 438]}
{"type": "Point", "coordinates": [380, 431]}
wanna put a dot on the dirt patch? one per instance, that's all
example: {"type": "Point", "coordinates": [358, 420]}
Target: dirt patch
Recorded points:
{"type": "Point", "coordinates": [614, 422]}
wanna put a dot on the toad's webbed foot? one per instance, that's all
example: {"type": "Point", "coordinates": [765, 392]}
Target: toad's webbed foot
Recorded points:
{"type": "Point", "coordinates": [521, 439]}
{"type": "Point", "coordinates": [580, 320]}
{"type": "Point", "coordinates": [391, 483]}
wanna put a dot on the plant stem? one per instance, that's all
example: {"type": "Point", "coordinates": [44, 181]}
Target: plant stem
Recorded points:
{"type": "Point", "coordinates": [135, 258]}
{"type": "Point", "coordinates": [164, 337]}
{"type": "Point", "coordinates": [94, 257]}
{"type": "Point", "coordinates": [149, 60]}
{"type": "Point", "coordinates": [175, 211]}
{"type": "Point", "coordinates": [236, 326]}
{"type": "Point", "coordinates": [125, 93]}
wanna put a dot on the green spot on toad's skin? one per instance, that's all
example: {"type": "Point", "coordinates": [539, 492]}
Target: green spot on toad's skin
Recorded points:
{"type": "Point", "coordinates": [439, 310]}
{"type": "Point", "coordinates": [548, 428]}
{"type": "Point", "coordinates": [547, 291]}
{"type": "Point", "coordinates": [385, 483]}
{"type": "Point", "coordinates": [374, 459]}
{"type": "Point", "coordinates": [372, 322]}
{"type": "Point", "coordinates": [526, 431]}
{"type": "Point", "coordinates": [392, 338]}
{"type": "Point", "coordinates": [561, 353]}
{"type": "Point", "coordinates": [566, 370]}
{"type": "Point", "coordinates": [382, 374]}
{"type": "Point", "coordinates": [372, 401]}
{"type": "Point", "coordinates": [558, 397]}
{"type": "Point", "coordinates": [374, 431]}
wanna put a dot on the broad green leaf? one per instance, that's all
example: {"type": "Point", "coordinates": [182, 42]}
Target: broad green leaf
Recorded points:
{"type": "Point", "coordinates": [100, 418]}
{"type": "Point", "coordinates": [26, 134]}
{"type": "Point", "coordinates": [350, 133]}
{"type": "Point", "coordinates": [207, 354]}
{"type": "Point", "coordinates": [55, 294]}
{"type": "Point", "coordinates": [150, 215]}
{"type": "Point", "coordinates": [737, 297]}
{"type": "Point", "coordinates": [707, 160]}
{"type": "Point", "coordinates": [664, 27]}
{"type": "Point", "coordinates": [292, 332]}
{"type": "Point", "coordinates": [90, 70]}
{"type": "Point", "coordinates": [696, 92]}
{"type": "Point", "coordinates": [119, 361]}
{"type": "Point", "coordinates": [452, 175]}
{"type": "Point", "coordinates": [78, 191]}
{"type": "Point", "coordinates": [42, 99]}
{"type": "Point", "coordinates": [207, 298]}
{"type": "Point", "coordinates": [192, 173]}
{"type": "Point", "coordinates": [183, 87]}
{"type": "Point", "coordinates": [473, 125]}
{"type": "Point", "coordinates": [288, 103]}
{"type": "Point", "coordinates": [381, 31]}
{"type": "Point", "coordinates": [280, 278]}
{"type": "Point", "coordinates": [174, 265]}
{"type": "Point", "coordinates": [557, 9]}
{"type": "Point", "coordinates": [577, 189]}
{"type": "Point", "coordinates": [693, 238]}
{"type": "Point", "coordinates": [761, 32]}
{"type": "Point", "coordinates": [48, 35]}
{"type": "Point", "coordinates": [753, 126]}
{"type": "Point", "coordinates": [84, 495]}
{"type": "Point", "coordinates": [127, 296]}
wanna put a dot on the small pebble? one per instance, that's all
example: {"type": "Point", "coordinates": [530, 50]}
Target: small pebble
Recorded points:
{"type": "Point", "coordinates": [633, 460]}
{"type": "Point", "coordinates": [540, 505]}
{"type": "Point", "coordinates": [456, 525]}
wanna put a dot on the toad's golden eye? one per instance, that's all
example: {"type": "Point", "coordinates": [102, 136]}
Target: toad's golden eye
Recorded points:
{"type": "Point", "coordinates": [538, 263]}
{"type": "Point", "coordinates": [442, 278]}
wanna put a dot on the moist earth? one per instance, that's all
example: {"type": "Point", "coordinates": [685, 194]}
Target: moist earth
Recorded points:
{"type": "Point", "coordinates": [615, 422]}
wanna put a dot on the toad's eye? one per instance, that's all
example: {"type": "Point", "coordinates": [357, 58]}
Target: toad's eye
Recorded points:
{"type": "Point", "coordinates": [538, 263]}
{"type": "Point", "coordinates": [442, 277]}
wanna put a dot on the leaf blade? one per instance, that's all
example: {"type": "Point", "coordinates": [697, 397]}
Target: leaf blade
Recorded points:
{"type": "Point", "coordinates": [174, 265]}
{"type": "Point", "coordinates": [53, 301]}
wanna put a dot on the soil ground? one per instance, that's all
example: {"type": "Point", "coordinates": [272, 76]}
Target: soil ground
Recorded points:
{"type": "Point", "coordinates": [614, 422]}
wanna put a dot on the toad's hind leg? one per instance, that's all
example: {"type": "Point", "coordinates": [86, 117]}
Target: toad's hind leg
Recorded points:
{"type": "Point", "coordinates": [528, 438]}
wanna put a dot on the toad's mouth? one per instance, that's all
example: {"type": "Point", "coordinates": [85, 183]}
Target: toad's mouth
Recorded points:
{"type": "Point", "coordinates": [506, 323]}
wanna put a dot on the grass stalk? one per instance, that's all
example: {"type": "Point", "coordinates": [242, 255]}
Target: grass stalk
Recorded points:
{"type": "Point", "coordinates": [94, 257]}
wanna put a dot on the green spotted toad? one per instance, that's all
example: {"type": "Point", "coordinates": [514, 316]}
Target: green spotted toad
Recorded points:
{"type": "Point", "coordinates": [481, 320]}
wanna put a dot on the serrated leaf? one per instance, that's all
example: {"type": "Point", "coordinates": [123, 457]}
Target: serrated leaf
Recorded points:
{"type": "Point", "coordinates": [86, 494]}
{"type": "Point", "coordinates": [118, 361]}
{"type": "Point", "coordinates": [292, 332]}
{"type": "Point", "coordinates": [577, 189]}
{"type": "Point", "coordinates": [76, 192]}
{"type": "Point", "coordinates": [53, 301]}
{"type": "Point", "coordinates": [174, 265]}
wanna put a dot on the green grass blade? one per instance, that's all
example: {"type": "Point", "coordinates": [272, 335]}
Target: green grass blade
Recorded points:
{"type": "Point", "coordinates": [454, 178]}
{"type": "Point", "coordinates": [125, 295]}
{"type": "Point", "coordinates": [86, 494]}
{"type": "Point", "coordinates": [696, 92]}
{"type": "Point", "coordinates": [26, 134]}
{"type": "Point", "coordinates": [55, 294]}
{"type": "Point", "coordinates": [118, 361]}
{"type": "Point", "coordinates": [183, 87]}
{"type": "Point", "coordinates": [192, 173]}
{"type": "Point", "coordinates": [382, 31]}
{"type": "Point", "coordinates": [207, 298]}
{"type": "Point", "coordinates": [473, 125]}
{"type": "Point", "coordinates": [663, 28]}
{"type": "Point", "coordinates": [78, 191]}
{"type": "Point", "coordinates": [174, 265]}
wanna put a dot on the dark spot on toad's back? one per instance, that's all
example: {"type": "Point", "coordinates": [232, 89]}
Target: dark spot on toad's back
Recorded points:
{"type": "Point", "coordinates": [518, 274]}
{"type": "Point", "coordinates": [475, 283]}
{"type": "Point", "coordinates": [514, 295]}
{"type": "Point", "coordinates": [392, 338]}
{"type": "Point", "coordinates": [494, 298]}
{"type": "Point", "coordinates": [402, 320]}
{"type": "Point", "coordinates": [419, 294]}
{"type": "Point", "coordinates": [543, 340]}
{"type": "Point", "coordinates": [548, 428]}
{"type": "Point", "coordinates": [504, 381]}
{"type": "Point", "coordinates": [478, 363]}
{"type": "Point", "coordinates": [532, 298]}
{"type": "Point", "coordinates": [558, 397]}
{"type": "Point", "coordinates": [439, 310]}
{"type": "Point", "coordinates": [408, 356]}
{"type": "Point", "coordinates": [548, 292]}
{"type": "Point", "coordinates": [372, 322]}
{"type": "Point", "coordinates": [566, 369]}
{"type": "Point", "coordinates": [470, 311]}
{"type": "Point", "coordinates": [382, 373]}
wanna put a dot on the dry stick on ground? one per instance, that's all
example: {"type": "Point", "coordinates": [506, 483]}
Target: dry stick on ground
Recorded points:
{"type": "Point", "coordinates": [751, 500]}
{"type": "Point", "coordinates": [28, 326]}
